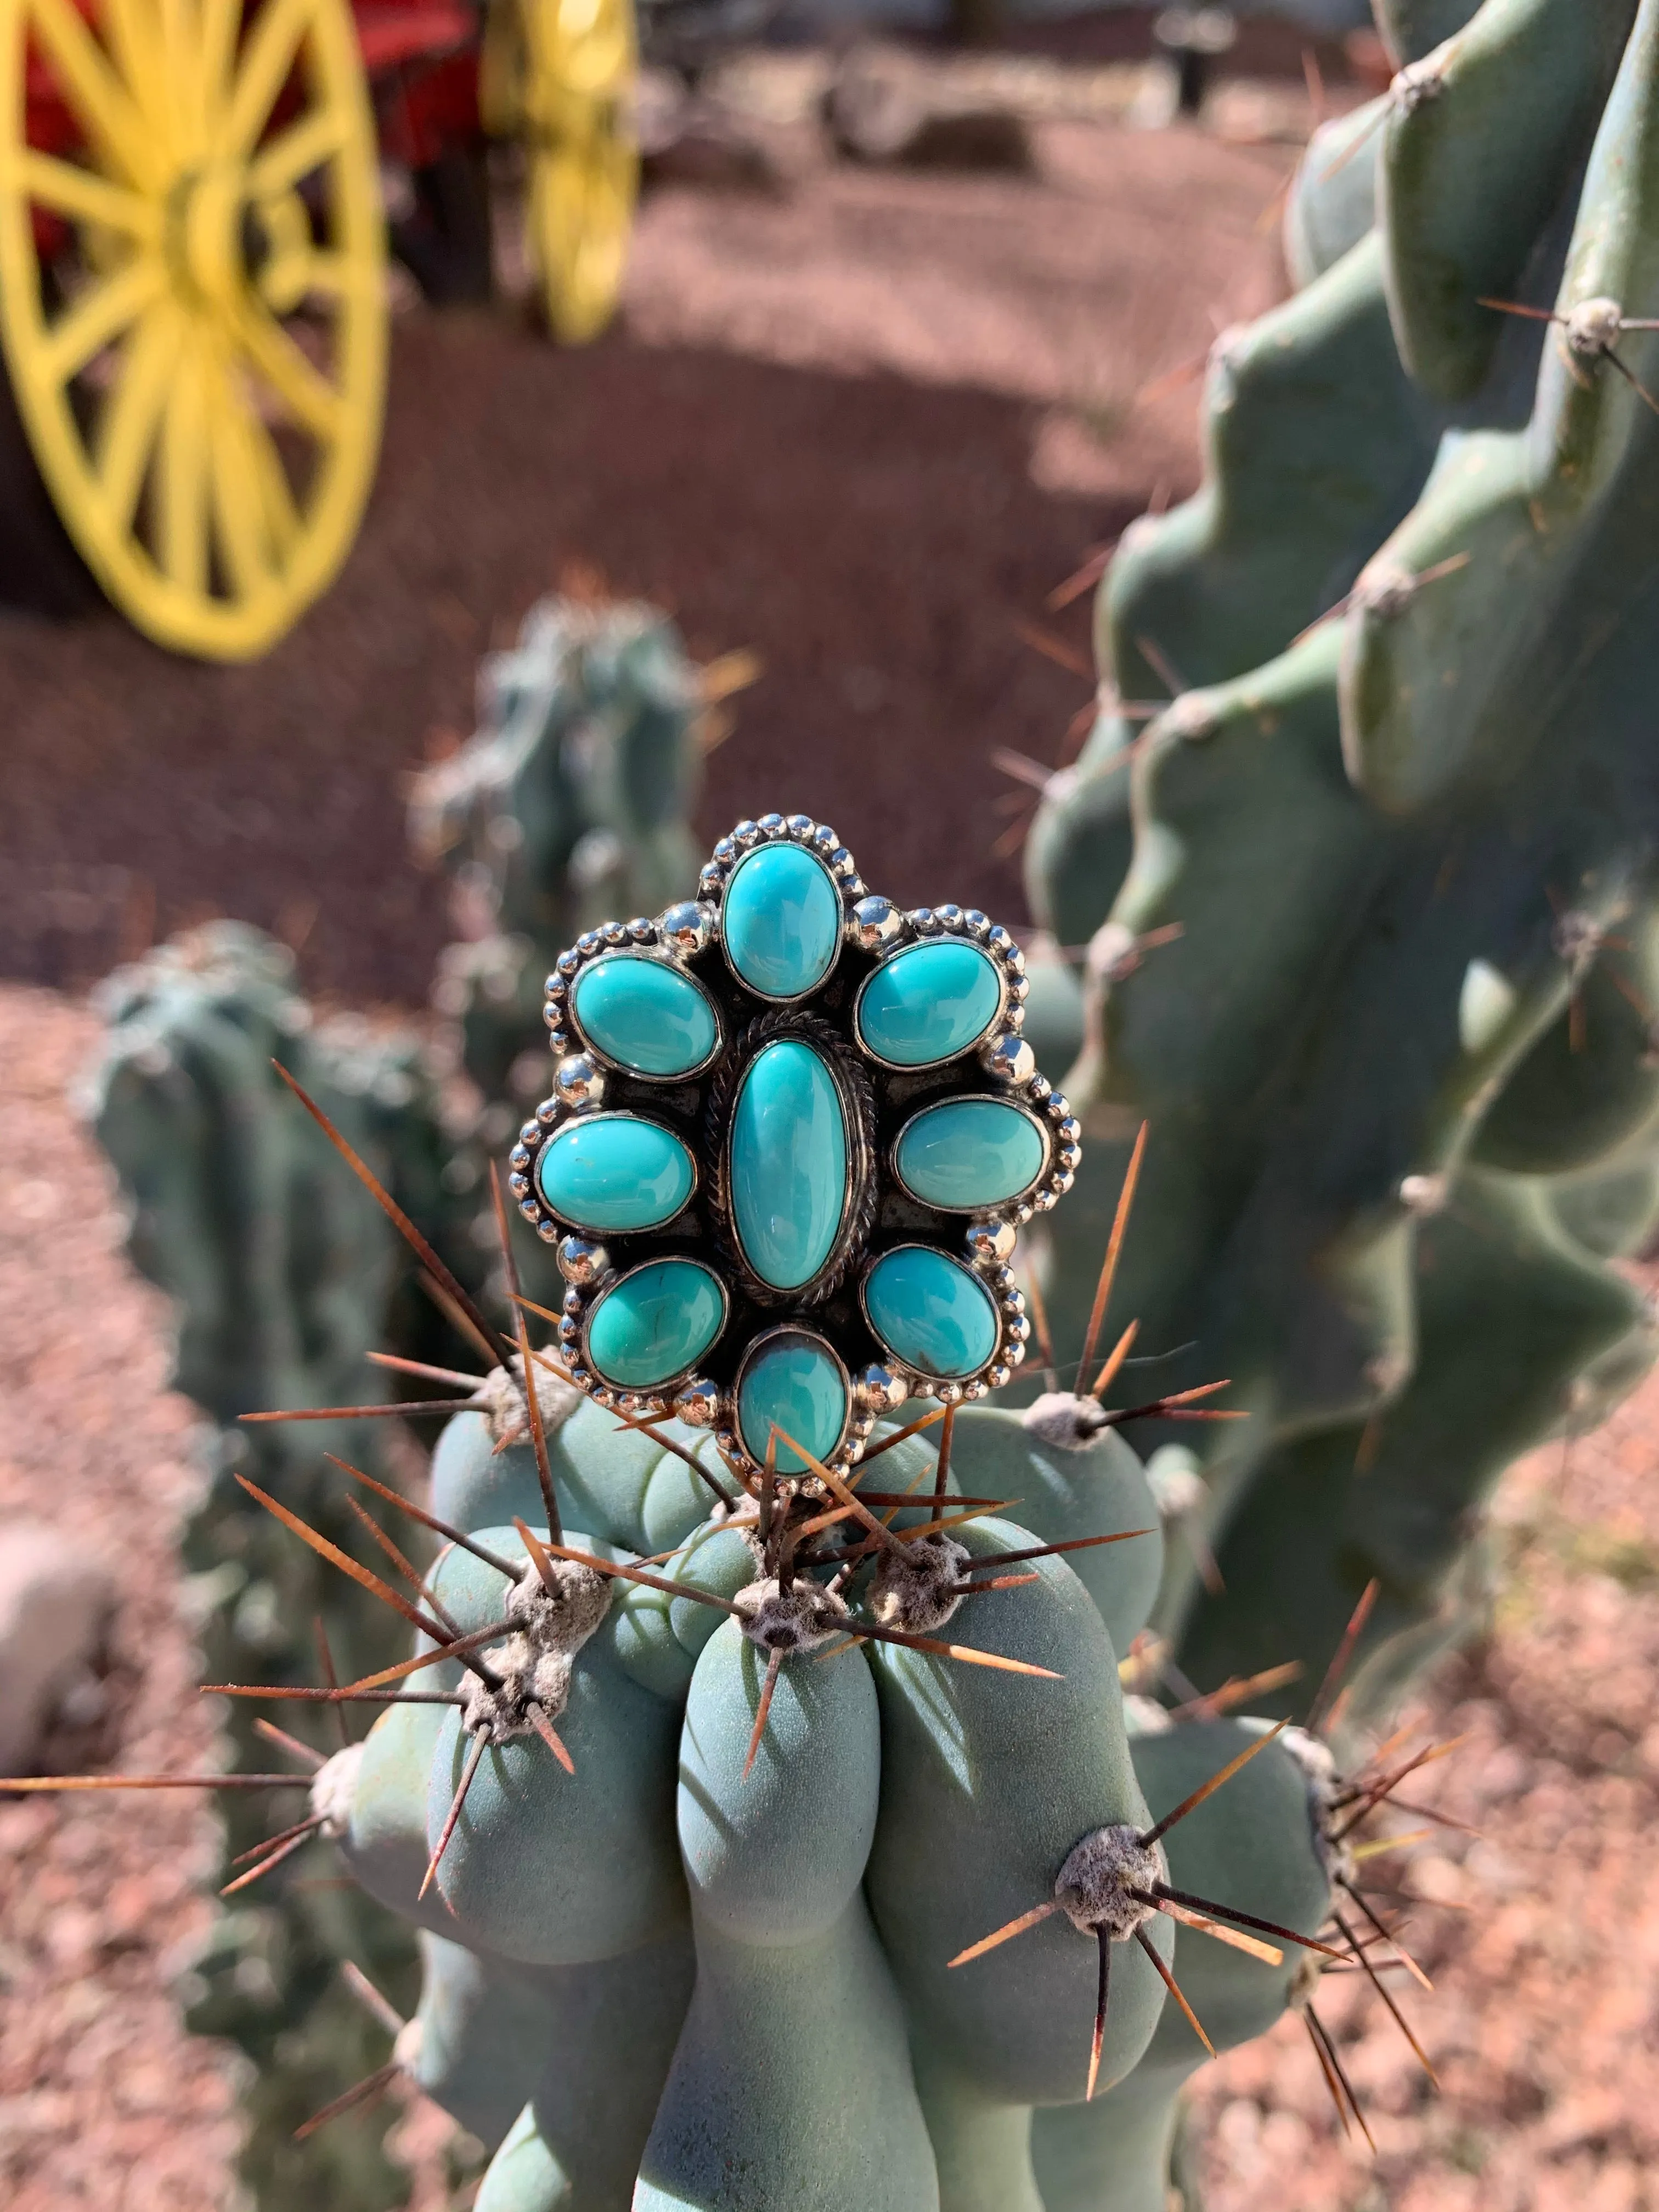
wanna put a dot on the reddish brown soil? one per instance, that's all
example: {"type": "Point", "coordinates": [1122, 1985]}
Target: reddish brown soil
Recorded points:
{"type": "Point", "coordinates": [853, 428]}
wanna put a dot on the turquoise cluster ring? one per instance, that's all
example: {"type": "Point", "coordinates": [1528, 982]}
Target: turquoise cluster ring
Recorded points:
{"type": "Point", "coordinates": [793, 1134]}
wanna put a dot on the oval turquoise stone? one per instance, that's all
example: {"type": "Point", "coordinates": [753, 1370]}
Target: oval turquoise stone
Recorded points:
{"type": "Point", "coordinates": [969, 1153]}
{"type": "Point", "coordinates": [788, 1164]}
{"type": "Point", "coordinates": [644, 1014]}
{"type": "Point", "coordinates": [614, 1171]}
{"type": "Point", "coordinates": [930, 1312]}
{"type": "Point", "coordinates": [928, 1003]}
{"type": "Point", "coordinates": [655, 1323]}
{"type": "Point", "coordinates": [795, 1381]}
{"type": "Point", "coordinates": [780, 921]}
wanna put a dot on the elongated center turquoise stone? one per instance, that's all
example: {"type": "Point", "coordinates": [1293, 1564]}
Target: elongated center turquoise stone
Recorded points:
{"type": "Point", "coordinates": [787, 1164]}
{"type": "Point", "coordinates": [928, 1003]}
{"type": "Point", "coordinates": [780, 921]}
{"type": "Point", "coordinates": [969, 1153]}
{"type": "Point", "coordinates": [930, 1312]}
{"type": "Point", "coordinates": [655, 1324]}
{"type": "Point", "coordinates": [794, 1380]}
{"type": "Point", "coordinates": [645, 1014]}
{"type": "Point", "coordinates": [613, 1171]}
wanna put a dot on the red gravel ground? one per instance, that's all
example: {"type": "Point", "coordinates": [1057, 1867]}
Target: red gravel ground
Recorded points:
{"type": "Point", "coordinates": [1542, 1937]}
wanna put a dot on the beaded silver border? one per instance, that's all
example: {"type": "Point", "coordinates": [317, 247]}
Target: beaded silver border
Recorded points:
{"type": "Point", "coordinates": [876, 926]}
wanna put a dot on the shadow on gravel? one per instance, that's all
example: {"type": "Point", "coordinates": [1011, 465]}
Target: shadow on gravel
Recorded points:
{"type": "Point", "coordinates": [875, 542]}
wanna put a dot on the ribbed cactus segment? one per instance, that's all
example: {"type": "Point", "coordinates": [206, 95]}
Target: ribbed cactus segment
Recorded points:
{"type": "Point", "coordinates": [1398, 1064]}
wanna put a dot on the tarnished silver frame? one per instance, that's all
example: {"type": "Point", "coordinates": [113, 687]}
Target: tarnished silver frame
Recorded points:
{"type": "Point", "coordinates": [1008, 1302]}
{"type": "Point", "coordinates": [660, 958]}
{"type": "Point", "coordinates": [591, 1120]}
{"type": "Point", "coordinates": [581, 1304]}
{"type": "Point", "coordinates": [688, 935]}
{"type": "Point", "coordinates": [990, 1208]}
{"type": "Point", "coordinates": [837, 1458]}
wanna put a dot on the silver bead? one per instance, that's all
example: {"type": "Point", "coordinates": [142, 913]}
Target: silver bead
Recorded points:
{"type": "Point", "coordinates": [879, 1389]}
{"type": "Point", "coordinates": [1038, 1089]}
{"type": "Point", "coordinates": [572, 1306]}
{"type": "Point", "coordinates": [843, 866]}
{"type": "Point", "coordinates": [615, 932]}
{"type": "Point", "coordinates": [874, 924]}
{"type": "Point", "coordinates": [553, 1013]}
{"type": "Point", "coordinates": [924, 921]}
{"type": "Point", "coordinates": [770, 825]}
{"type": "Point", "coordinates": [581, 1262]}
{"type": "Point", "coordinates": [948, 1394]}
{"type": "Point", "coordinates": [558, 1041]}
{"type": "Point", "coordinates": [1018, 1330]}
{"type": "Point", "coordinates": [687, 928]}
{"type": "Point", "coordinates": [1015, 1355]}
{"type": "Point", "coordinates": [989, 1241]}
{"type": "Point", "coordinates": [824, 839]}
{"type": "Point", "coordinates": [998, 1377]}
{"type": "Point", "coordinates": [588, 944]}
{"type": "Point", "coordinates": [711, 878]}
{"type": "Point", "coordinates": [1001, 942]}
{"type": "Point", "coordinates": [726, 851]}
{"type": "Point", "coordinates": [1045, 1200]}
{"type": "Point", "coordinates": [698, 1403]}
{"type": "Point", "coordinates": [801, 826]}
{"type": "Point", "coordinates": [546, 1114]}
{"type": "Point", "coordinates": [975, 1390]}
{"type": "Point", "coordinates": [569, 962]}
{"type": "Point", "coordinates": [518, 1184]}
{"type": "Point", "coordinates": [530, 1133]}
{"type": "Point", "coordinates": [642, 929]}
{"type": "Point", "coordinates": [578, 1082]}
{"type": "Point", "coordinates": [1063, 1182]}
{"type": "Point", "coordinates": [580, 1377]}
{"type": "Point", "coordinates": [555, 987]}
{"type": "Point", "coordinates": [1068, 1128]}
{"type": "Point", "coordinates": [1019, 989]}
{"type": "Point", "coordinates": [976, 923]}
{"type": "Point", "coordinates": [1008, 1058]}
{"type": "Point", "coordinates": [548, 1231]}
{"type": "Point", "coordinates": [950, 915]}
{"type": "Point", "coordinates": [528, 1208]}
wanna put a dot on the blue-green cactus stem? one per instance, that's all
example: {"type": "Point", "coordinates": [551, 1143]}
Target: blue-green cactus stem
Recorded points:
{"type": "Point", "coordinates": [989, 1779]}
{"type": "Point", "coordinates": [791, 2087]}
{"type": "Point", "coordinates": [599, 2064]}
{"type": "Point", "coordinates": [1254, 1845]}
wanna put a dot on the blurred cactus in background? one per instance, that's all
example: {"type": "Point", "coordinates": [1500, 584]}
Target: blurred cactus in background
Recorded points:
{"type": "Point", "coordinates": [285, 1272]}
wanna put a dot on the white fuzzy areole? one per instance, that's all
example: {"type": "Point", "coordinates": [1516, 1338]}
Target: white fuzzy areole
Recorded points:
{"type": "Point", "coordinates": [1063, 1420]}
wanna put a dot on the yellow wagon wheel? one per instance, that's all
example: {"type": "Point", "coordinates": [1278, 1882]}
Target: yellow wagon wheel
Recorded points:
{"type": "Point", "coordinates": [558, 74]}
{"type": "Point", "coordinates": [192, 299]}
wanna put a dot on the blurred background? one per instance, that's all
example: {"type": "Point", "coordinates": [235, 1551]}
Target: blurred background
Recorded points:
{"type": "Point", "coordinates": [837, 357]}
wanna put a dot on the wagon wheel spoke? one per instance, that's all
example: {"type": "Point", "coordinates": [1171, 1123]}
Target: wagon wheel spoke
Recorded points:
{"type": "Point", "coordinates": [101, 313]}
{"type": "Point", "coordinates": [102, 105]}
{"type": "Point", "coordinates": [236, 500]}
{"type": "Point", "coordinates": [295, 379]}
{"type": "Point", "coordinates": [295, 152]}
{"type": "Point", "coordinates": [181, 478]}
{"type": "Point", "coordinates": [132, 422]}
{"type": "Point", "coordinates": [67, 189]}
{"type": "Point", "coordinates": [219, 22]}
{"type": "Point", "coordinates": [265, 64]}
{"type": "Point", "coordinates": [132, 34]}
{"type": "Point", "coordinates": [222, 174]}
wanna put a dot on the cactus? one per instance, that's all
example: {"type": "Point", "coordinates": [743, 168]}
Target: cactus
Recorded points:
{"type": "Point", "coordinates": [1398, 1063]}
{"type": "Point", "coordinates": [285, 1273]}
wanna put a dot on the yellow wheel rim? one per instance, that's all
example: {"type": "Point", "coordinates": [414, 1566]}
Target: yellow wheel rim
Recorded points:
{"type": "Point", "coordinates": [201, 367]}
{"type": "Point", "coordinates": [567, 94]}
